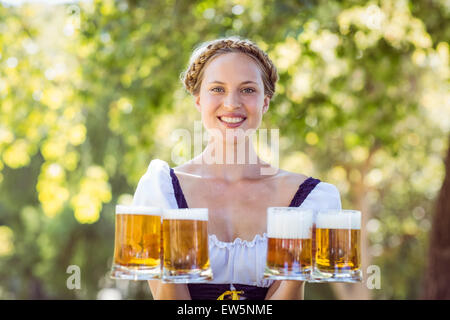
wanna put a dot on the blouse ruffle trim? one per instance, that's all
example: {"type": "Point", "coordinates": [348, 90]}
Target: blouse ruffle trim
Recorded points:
{"type": "Point", "coordinates": [238, 241]}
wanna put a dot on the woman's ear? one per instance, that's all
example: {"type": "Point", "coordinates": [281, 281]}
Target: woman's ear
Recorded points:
{"type": "Point", "coordinates": [266, 104]}
{"type": "Point", "coordinates": [197, 103]}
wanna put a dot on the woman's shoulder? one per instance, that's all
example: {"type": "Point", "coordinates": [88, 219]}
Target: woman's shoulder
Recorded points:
{"type": "Point", "coordinates": [155, 186]}
{"type": "Point", "coordinates": [157, 169]}
{"type": "Point", "coordinates": [298, 178]}
{"type": "Point", "coordinates": [188, 168]}
{"type": "Point", "coordinates": [288, 179]}
{"type": "Point", "coordinates": [323, 194]}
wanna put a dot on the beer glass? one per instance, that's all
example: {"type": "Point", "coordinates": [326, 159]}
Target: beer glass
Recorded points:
{"type": "Point", "coordinates": [289, 252]}
{"type": "Point", "coordinates": [185, 246]}
{"type": "Point", "coordinates": [337, 243]}
{"type": "Point", "coordinates": [137, 247]}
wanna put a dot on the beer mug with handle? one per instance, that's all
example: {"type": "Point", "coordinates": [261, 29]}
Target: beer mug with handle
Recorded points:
{"type": "Point", "coordinates": [289, 243]}
{"type": "Point", "coordinates": [185, 246]}
{"type": "Point", "coordinates": [137, 247]}
{"type": "Point", "coordinates": [337, 256]}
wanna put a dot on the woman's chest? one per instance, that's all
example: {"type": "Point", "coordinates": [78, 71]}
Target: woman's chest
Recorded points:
{"type": "Point", "coordinates": [236, 210]}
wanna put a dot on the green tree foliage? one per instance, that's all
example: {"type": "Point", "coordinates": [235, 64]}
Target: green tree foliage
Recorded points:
{"type": "Point", "coordinates": [90, 93]}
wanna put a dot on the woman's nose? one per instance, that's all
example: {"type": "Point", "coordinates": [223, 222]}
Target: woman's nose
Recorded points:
{"type": "Point", "coordinates": [232, 101]}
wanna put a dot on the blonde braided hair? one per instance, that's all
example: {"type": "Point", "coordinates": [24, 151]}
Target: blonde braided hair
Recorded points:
{"type": "Point", "coordinates": [207, 51]}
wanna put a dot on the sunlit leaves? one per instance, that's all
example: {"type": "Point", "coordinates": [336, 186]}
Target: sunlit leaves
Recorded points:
{"type": "Point", "coordinates": [94, 191]}
{"type": "Point", "coordinates": [77, 134]}
{"type": "Point", "coordinates": [52, 188]}
{"type": "Point", "coordinates": [54, 148]}
{"type": "Point", "coordinates": [16, 155]}
{"type": "Point", "coordinates": [53, 98]}
{"type": "Point", "coordinates": [312, 138]}
{"type": "Point", "coordinates": [286, 54]}
{"type": "Point", "coordinates": [6, 241]}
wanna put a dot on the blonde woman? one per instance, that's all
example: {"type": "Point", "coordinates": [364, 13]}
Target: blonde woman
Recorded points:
{"type": "Point", "coordinates": [232, 82]}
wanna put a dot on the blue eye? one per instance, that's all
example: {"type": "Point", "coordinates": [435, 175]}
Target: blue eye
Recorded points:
{"type": "Point", "coordinates": [251, 90]}
{"type": "Point", "coordinates": [214, 89]}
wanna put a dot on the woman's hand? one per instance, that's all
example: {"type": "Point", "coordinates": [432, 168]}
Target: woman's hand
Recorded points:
{"type": "Point", "coordinates": [168, 291]}
{"type": "Point", "coordinates": [286, 290]}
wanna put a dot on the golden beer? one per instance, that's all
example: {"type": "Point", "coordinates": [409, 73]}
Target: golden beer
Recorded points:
{"type": "Point", "coordinates": [337, 241]}
{"type": "Point", "coordinates": [289, 254]}
{"type": "Point", "coordinates": [289, 244]}
{"type": "Point", "coordinates": [137, 245]}
{"type": "Point", "coordinates": [185, 246]}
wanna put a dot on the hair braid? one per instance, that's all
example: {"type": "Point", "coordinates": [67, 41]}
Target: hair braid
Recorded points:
{"type": "Point", "coordinates": [205, 53]}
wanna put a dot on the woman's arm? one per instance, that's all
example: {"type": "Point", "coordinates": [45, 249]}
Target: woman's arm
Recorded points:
{"type": "Point", "coordinates": [168, 291]}
{"type": "Point", "coordinates": [286, 290]}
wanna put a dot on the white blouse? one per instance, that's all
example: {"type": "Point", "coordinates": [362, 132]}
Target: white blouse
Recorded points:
{"type": "Point", "coordinates": [240, 261]}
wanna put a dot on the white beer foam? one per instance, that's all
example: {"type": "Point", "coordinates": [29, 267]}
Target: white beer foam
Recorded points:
{"type": "Point", "coordinates": [186, 214]}
{"type": "Point", "coordinates": [151, 211]}
{"type": "Point", "coordinates": [339, 219]}
{"type": "Point", "coordinates": [289, 223]}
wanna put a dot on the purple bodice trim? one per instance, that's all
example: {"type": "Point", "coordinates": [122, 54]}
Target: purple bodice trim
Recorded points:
{"type": "Point", "coordinates": [179, 195]}
{"type": "Point", "coordinates": [303, 191]}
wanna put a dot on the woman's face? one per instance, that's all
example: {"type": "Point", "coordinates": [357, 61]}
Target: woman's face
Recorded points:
{"type": "Point", "coordinates": [231, 94]}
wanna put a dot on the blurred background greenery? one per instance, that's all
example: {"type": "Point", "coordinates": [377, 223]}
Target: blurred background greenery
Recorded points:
{"type": "Point", "coordinates": [90, 93]}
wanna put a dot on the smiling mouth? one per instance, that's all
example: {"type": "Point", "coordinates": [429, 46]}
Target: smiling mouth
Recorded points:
{"type": "Point", "coordinates": [232, 121]}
